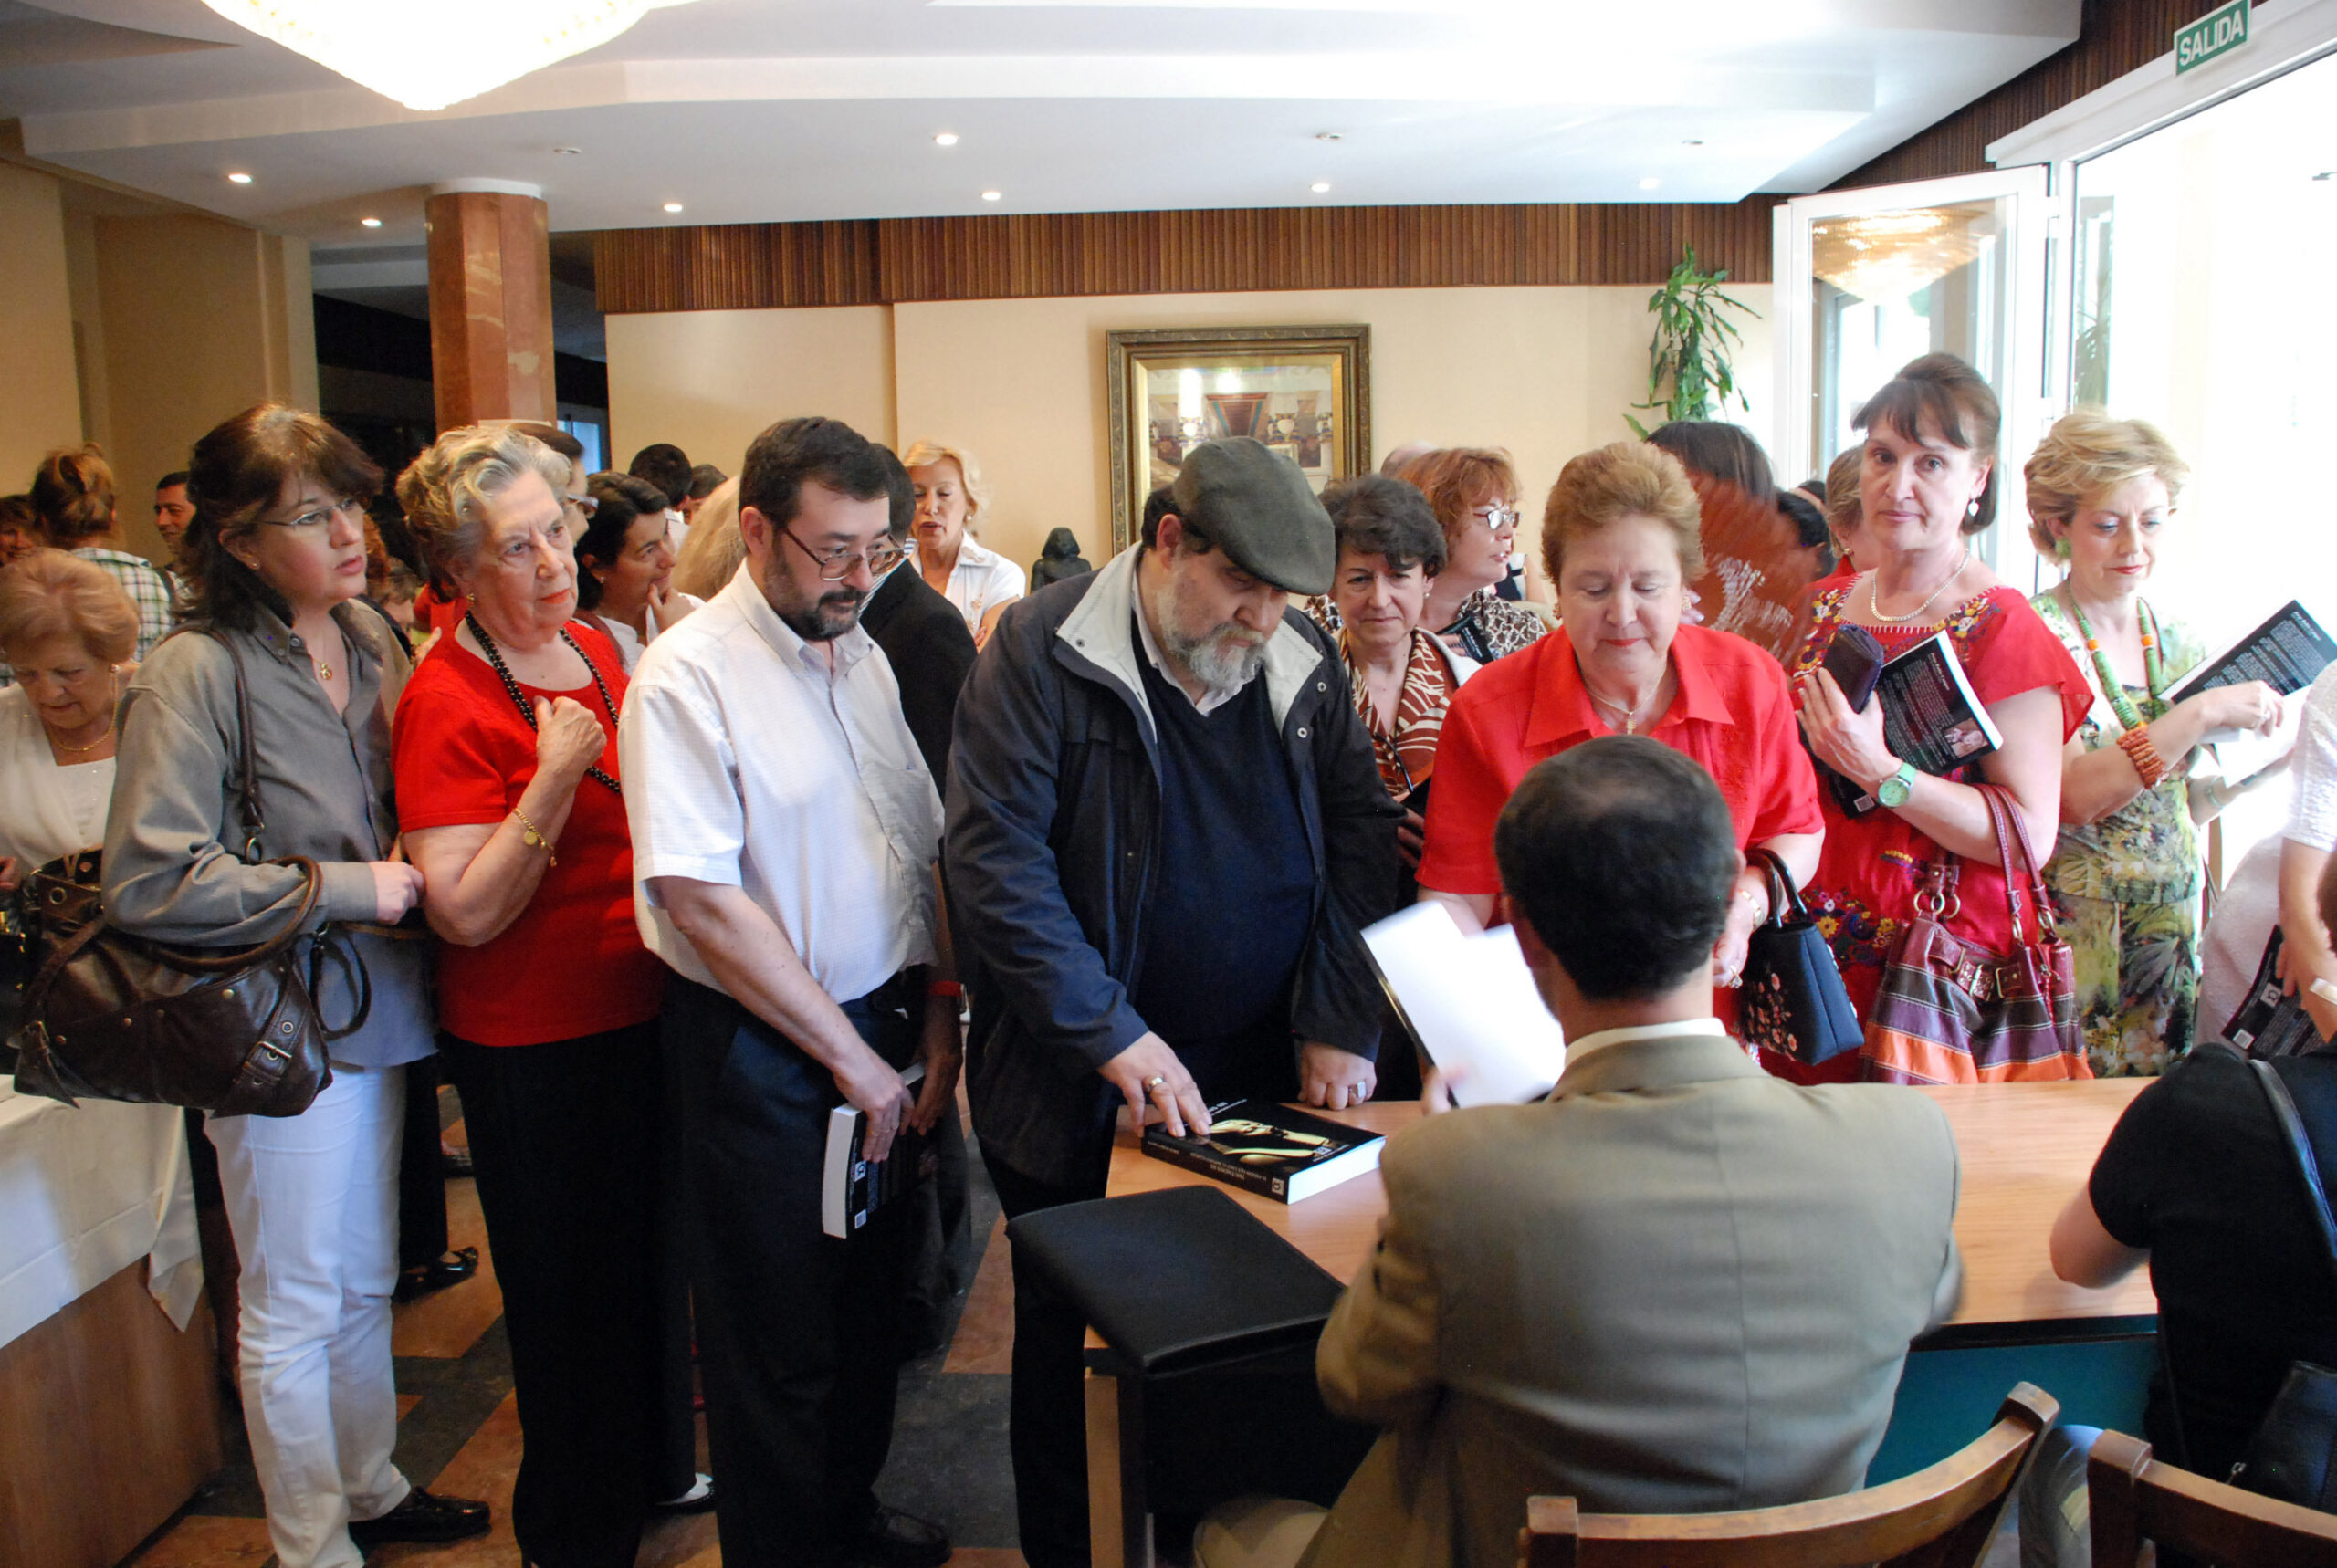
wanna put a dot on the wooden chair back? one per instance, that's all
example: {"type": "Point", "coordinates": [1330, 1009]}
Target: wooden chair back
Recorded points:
{"type": "Point", "coordinates": [2135, 1499]}
{"type": "Point", "coordinates": [1941, 1517]}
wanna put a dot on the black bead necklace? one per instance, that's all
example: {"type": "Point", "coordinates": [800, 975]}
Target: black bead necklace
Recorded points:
{"type": "Point", "coordinates": [520, 700]}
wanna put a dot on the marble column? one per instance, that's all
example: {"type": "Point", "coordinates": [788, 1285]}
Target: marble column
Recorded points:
{"type": "Point", "coordinates": [490, 302]}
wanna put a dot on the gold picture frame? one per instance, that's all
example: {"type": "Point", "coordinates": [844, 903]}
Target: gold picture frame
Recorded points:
{"type": "Point", "coordinates": [1304, 390]}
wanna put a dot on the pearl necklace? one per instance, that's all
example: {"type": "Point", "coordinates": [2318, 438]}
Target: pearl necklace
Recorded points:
{"type": "Point", "coordinates": [1873, 588]}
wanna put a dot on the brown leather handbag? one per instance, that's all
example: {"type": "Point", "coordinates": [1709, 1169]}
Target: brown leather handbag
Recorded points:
{"type": "Point", "coordinates": [231, 1031]}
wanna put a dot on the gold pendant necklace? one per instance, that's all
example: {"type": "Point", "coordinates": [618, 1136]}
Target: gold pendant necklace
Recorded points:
{"type": "Point", "coordinates": [77, 750]}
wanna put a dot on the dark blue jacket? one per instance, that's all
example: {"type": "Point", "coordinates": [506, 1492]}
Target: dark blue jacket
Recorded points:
{"type": "Point", "coordinates": [1053, 833]}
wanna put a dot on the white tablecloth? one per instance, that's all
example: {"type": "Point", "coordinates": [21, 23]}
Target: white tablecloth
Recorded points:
{"type": "Point", "coordinates": [84, 1193]}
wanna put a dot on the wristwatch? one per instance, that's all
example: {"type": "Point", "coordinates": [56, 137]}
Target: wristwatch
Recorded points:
{"type": "Point", "coordinates": [1892, 793]}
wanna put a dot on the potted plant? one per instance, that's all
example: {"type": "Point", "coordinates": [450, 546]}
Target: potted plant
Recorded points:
{"type": "Point", "coordinates": [1688, 372]}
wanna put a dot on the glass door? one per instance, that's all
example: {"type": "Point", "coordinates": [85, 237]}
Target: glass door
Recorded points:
{"type": "Point", "coordinates": [1867, 280]}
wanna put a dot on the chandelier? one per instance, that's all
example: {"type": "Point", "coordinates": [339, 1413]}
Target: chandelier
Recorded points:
{"type": "Point", "coordinates": [1886, 257]}
{"type": "Point", "coordinates": [427, 54]}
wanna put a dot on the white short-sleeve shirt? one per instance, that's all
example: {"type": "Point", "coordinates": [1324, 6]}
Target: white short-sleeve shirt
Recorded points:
{"type": "Point", "coordinates": [748, 763]}
{"type": "Point", "coordinates": [981, 581]}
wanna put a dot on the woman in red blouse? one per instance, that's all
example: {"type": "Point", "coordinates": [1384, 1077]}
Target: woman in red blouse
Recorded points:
{"type": "Point", "coordinates": [1620, 539]}
{"type": "Point", "coordinates": [505, 755]}
{"type": "Point", "coordinates": [1926, 485]}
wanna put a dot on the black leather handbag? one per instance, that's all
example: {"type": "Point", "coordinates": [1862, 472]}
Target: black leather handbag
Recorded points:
{"type": "Point", "coordinates": [108, 1015]}
{"type": "Point", "coordinates": [2293, 1454]}
{"type": "Point", "coordinates": [1790, 998]}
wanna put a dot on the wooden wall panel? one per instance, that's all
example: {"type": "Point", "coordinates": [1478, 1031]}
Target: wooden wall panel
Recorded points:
{"type": "Point", "coordinates": [2114, 36]}
{"type": "Point", "coordinates": [751, 266]}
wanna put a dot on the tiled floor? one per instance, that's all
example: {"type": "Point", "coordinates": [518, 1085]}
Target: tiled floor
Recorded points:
{"type": "Point", "coordinates": [459, 1429]}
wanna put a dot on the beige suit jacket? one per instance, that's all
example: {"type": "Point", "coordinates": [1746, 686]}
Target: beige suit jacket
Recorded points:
{"type": "Point", "coordinates": [1678, 1284]}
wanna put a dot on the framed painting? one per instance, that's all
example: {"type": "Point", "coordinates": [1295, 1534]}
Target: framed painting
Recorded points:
{"type": "Point", "coordinates": [1305, 392]}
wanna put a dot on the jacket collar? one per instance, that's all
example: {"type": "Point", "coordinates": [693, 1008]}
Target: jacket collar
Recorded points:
{"type": "Point", "coordinates": [1101, 630]}
{"type": "Point", "coordinates": [1665, 1062]}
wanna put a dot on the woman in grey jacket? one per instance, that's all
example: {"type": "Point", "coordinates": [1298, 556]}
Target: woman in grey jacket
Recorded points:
{"type": "Point", "coordinates": [277, 554]}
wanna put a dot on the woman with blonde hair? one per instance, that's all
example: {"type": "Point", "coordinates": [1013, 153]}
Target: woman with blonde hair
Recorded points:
{"type": "Point", "coordinates": [709, 558]}
{"type": "Point", "coordinates": [67, 629]}
{"type": "Point", "coordinates": [949, 498]}
{"type": "Point", "coordinates": [72, 502]}
{"type": "Point", "coordinates": [2127, 872]}
{"type": "Point", "coordinates": [1473, 492]}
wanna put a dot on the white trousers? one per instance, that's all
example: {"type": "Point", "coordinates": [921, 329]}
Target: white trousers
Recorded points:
{"type": "Point", "coordinates": [313, 1202]}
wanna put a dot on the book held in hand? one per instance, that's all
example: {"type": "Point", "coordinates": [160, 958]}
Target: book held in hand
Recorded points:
{"type": "Point", "coordinates": [2286, 654]}
{"type": "Point", "coordinates": [1931, 715]}
{"type": "Point", "coordinates": [853, 1189]}
{"type": "Point", "coordinates": [1471, 1004]}
{"type": "Point", "coordinates": [2268, 1023]}
{"type": "Point", "coordinates": [1270, 1149]}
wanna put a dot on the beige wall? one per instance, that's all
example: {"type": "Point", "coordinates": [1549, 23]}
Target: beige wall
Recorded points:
{"type": "Point", "coordinates": [711, 381]}
{"type": "Point", "coordinates": [40, 401]}
{"type": "Point", "coordinates": [202, 318]}
{"type": "Point", "coordinates": [1547, 373]}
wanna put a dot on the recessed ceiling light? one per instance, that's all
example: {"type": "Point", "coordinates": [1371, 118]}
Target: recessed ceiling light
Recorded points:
{"type": "Point", "coordinates": [239, 178]}
{"type": "Point", "coordinates": [1326, 136]}
{"type": "Point", "coordinates": [371, 223]}
{"type": "Point", "coordinates": [1692, 141]}
{"type": "Point", "coordinates": [993, 196]}
{"type": "Point", "coordinates": [945, 139]}
{"type": "Point", "coordinates": [673, 206]}
{"type": "Point", "coordinates": [1319, 186]}
{"type": "Point", "coordinates": [1650, 183]}
{"type": "Point", "coordinates": [567, 152]}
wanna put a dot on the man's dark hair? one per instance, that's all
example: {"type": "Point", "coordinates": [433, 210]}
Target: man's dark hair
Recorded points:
{"type": "Point", "coordinates": [1379, 516]}
{"type": "Point", "coordinates": [551, 435]}
{"type": "Point", "coordinates": [665, 466]}
{"type": "Point", "coordinates": [1156, 506]}
{"type": "Point", "coordinates": [176, 476]}
{"type": "Point", "coordinates": [619, 500]}
{"type": "Point", "coordinates": [1621, 855]}
{"type": "Point", "coordinates": [798, 452]}
{"type": "Point", "coordinates": [705, 479]}
{"type": "Point", "coordinates": [903, 493]}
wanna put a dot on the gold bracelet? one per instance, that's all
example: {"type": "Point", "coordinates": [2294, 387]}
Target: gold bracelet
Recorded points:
{"type": "Point", "coordinates": [533, 837]}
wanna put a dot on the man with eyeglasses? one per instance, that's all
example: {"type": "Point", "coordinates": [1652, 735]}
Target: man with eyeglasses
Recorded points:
{"type": "Point", "coordinates": [1166, 826]}
{"type": "Point", "coordinates": [785, 835]}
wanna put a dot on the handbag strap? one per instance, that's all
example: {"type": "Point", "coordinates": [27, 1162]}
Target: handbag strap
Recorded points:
{"type": "Point", "coordinates": [2019, 863]}
{"type": "Point", "coordinates": [2299, 1142]}
{"type": "Point", "coordinates": [1784, 896]}
{"type": "Point", "coordinates": [247, 760]}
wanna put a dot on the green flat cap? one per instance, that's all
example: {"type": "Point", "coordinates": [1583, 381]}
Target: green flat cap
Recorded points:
{"type": "Point", "coordinates": [1257, 505]}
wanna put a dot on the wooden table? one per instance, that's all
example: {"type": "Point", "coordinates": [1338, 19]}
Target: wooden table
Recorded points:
{"type": "Point", "coordinates": [2025, 1147]}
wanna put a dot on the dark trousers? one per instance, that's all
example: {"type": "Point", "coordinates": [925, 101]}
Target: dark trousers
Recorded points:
{"type": "Point", "coordinates": [1047, 1409]}
{"type": "Point", "coordinates": [421, 1172]}
{"type": "Point", "coordinates": [799, 1333]}
{"type": "Point", "coordinates": [566, 1139]}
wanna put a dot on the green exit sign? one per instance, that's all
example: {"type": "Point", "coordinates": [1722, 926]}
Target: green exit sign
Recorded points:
{"type": "Point", "coordinates": [2218, 32]}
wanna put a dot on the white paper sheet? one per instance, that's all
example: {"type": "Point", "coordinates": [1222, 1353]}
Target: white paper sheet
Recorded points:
{"type": "Point", "coordinates": [1472, 1001]}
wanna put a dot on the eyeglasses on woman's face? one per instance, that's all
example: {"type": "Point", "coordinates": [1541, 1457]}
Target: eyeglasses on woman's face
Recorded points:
{"type": "Point", "coordinates": [835, 565]}
{"type": "Point", "coordinates": [1495, 516]}
{"type": "Point", "coordinates": [317, 524]}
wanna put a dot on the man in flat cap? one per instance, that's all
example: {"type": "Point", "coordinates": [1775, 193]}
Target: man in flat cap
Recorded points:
{"type": "Point", "coordinates": [1164, 829]}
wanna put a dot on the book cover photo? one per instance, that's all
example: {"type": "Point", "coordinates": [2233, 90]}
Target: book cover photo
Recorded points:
{"type": "Point", "coordinates": [1270, 1149]}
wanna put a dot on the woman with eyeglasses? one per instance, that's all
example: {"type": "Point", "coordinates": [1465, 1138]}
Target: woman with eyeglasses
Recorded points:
{"type": "Point", "coordinates": [508, 788]}
{"type": "Point", "coordinates": [1622, 540]}
{"type": "Point", "coordinates": [1474, 493]}
{"type": "Point", "coordinates": [277, 552]}
{"type": "Point", "coordinates": [624, 559]}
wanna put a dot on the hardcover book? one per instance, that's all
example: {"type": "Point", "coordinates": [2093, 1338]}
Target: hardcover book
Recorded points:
{"type": "Point", "coordinates": [1931, 717]}
{"type": "Point", "coordinates": [851, 1188]}
{"type": "Point", "coordinates": [1270, 1149]}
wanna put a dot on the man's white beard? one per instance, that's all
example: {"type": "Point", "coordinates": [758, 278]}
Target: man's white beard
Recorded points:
{"type": "Point", "coordinates": [1224, 659]}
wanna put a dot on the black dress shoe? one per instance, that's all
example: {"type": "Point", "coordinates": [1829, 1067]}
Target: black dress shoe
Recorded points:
{"type": "Point", "coordinates": [892, 1539]}
{"type": "Point", "coordinates": [452, 1269]}
{"type": "Point", "coordinates": [421, 1517]}
{"type": "Point", "coordinates": [699, 1499]}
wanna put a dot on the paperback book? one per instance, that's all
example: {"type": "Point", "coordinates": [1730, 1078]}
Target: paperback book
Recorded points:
{"type": "Point", "coordinates": [1471, 1004]}
{"type": "Point", "coordinates": [2286, 654]}
{"type": "Point", "coordinates": [1270, 1149]}
{"type": "Point", "coordinates": [1931, 715]}
{"type": "Point", "coordinates": [853, 1189]}
{"type": "Point", "coordinates": [2268, 1024]}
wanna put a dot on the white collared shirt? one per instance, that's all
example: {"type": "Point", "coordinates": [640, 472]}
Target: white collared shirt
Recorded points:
{"type": "Point", "coordinates": [1579, 1049]}
{"type": "Point", "coordinates": [981, 581]}
{"type": "Point", "coordinates": [748, 763]}
{"type": "Point", "coordinates": [630, 643]}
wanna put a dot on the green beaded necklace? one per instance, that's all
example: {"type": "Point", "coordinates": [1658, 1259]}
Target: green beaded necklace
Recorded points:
{"type": "Point", "coordinates": [2153, 670]}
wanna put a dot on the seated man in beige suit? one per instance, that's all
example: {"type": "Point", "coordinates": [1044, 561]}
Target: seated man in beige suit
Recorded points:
{"type": "Point", "coordinates": [1675, 1285]}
